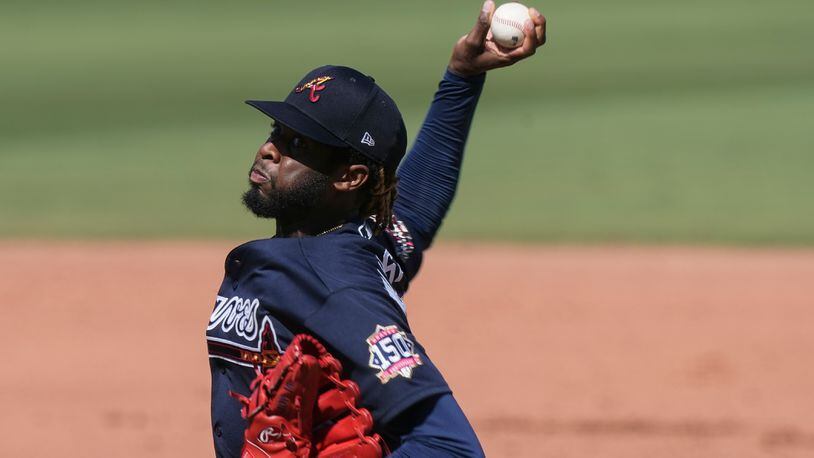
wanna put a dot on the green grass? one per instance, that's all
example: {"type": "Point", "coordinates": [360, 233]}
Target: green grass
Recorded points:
{"type": "Point", "coordinates": [643, 121]}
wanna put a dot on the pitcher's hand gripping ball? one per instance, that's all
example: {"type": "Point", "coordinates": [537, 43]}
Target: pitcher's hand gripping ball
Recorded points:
{"type": "Point", "coordinates": [507, 24]}
{"type": "Point", "coordinates": [302, 408]}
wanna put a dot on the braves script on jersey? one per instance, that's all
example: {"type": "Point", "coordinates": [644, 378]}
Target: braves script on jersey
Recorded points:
{"type": "Point", "coordinates": [344, 287]}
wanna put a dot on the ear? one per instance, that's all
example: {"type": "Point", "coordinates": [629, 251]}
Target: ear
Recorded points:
{"type": "Point", "coordinates": [353, 178]}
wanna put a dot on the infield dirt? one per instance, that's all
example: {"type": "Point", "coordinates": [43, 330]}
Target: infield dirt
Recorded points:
{"type": "Point", "coordinates": [552, 351]}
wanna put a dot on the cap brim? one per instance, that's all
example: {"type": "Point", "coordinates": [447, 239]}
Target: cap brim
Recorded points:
{"type": "Point", "coordinates": [294, 119]}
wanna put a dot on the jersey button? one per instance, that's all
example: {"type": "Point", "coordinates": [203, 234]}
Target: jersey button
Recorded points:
{"type": "Point", "coordinates": [234, 271]}
{"type": "Point", "coordinates": [218, 431]}
{"type": "Point", "coordinates": [234, 266]}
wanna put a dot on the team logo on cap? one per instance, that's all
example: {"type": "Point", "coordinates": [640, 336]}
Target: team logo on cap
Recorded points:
{"type": "Point", "coordinates": [315, 85]}
{"type": "Point", "coordinates": [391, 352]}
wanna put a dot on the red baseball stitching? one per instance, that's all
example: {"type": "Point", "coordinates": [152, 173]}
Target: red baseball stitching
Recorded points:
{"type": "Point", "coordinates": [508, 22]}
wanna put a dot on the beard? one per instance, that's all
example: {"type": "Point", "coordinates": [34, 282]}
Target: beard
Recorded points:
{"type": "Point", "coordinates": [298, 200]}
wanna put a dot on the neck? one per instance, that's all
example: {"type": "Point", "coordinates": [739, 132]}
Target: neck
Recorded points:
{"type": "Point", "coordinates": [309, 227]}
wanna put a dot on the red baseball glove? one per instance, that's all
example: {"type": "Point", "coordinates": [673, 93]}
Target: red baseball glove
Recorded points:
{"type": "Point", "coordinates": [302, 408]}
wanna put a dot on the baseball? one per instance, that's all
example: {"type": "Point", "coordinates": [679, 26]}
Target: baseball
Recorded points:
{"type": "Point", "coordinates": [507, 24]}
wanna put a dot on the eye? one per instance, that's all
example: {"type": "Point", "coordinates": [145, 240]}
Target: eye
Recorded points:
{"type": "Point", "coordinates": [297, 143]}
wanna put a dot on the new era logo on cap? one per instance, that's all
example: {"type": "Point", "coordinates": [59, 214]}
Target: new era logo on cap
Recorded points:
{"type": "Point", "coordinates": [368, 140]}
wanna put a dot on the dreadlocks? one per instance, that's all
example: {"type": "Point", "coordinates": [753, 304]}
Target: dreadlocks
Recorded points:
{"type": "Point", "coordinates": [379, 193]}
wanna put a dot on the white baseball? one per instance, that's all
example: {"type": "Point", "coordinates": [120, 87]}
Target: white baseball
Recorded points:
{"type": "Point", "coordinates": [507, 24]}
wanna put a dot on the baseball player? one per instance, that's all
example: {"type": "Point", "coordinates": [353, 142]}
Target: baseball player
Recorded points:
{"type": "Point", "coordinates": [351, 229]}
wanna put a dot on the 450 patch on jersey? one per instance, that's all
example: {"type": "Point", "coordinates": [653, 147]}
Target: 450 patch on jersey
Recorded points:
{"type": "Point", "coordinates": [391, 352]}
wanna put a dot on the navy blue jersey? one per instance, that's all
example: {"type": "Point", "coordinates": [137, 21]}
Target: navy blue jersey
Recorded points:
{"type": "Point", "coordinates": [345, 288]}
{"type": "Point", "coordinates": [337, 287]}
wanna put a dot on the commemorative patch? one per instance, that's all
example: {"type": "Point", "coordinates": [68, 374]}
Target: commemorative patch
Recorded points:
{"type": "Point", "coordinates": [391, 353]}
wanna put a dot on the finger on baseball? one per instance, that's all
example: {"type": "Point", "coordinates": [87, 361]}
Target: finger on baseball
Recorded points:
{"type": "Point", "coordinates": [498, 51]}
{"type": "Point", "coordinates": [481, 28]}
{"type": "Point", "coordinates": [541, 36]}
{"type": "Point", "coordinates": [536, 16]}
{"type": "Point", "coordinates": [494, 55]}
{"type": "Point", "coordinates": [529, 45]}
{"type": "Point", "coordinates": [539, 26]}
{"type": "Point", "coordinates": [530, 31]}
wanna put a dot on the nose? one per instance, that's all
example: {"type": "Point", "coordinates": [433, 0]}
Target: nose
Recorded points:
{"type": "Point", "coordinates": [268, 152]}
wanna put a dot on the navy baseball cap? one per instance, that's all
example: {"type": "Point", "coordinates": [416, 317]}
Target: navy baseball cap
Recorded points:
{"type": "Point", "coordinates": [341, 107]}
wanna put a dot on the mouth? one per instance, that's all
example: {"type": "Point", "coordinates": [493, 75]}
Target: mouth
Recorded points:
{"type": "Point", "coordinates": [257, 176]}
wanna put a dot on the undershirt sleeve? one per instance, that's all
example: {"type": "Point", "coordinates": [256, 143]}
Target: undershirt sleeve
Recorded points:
{"type": "Point", "coordinates": [428, 176]}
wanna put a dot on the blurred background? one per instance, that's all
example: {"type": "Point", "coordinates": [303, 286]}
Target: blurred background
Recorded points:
{"type": "Point", "coordinates": [652, 121]}
{"type": "Point", "coordinates": [631, 244]}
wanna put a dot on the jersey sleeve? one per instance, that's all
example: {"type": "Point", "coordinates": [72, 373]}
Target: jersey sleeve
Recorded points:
{"type": "Point", "coordinates": [428, 177]}
{"type": "Point", "coordinates": [436, 427]}
{"type": "Point", "coordinates": [369, 334]}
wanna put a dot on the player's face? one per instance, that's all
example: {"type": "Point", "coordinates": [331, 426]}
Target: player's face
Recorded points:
{"type": "Point", "coordinates": [291, 175]}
